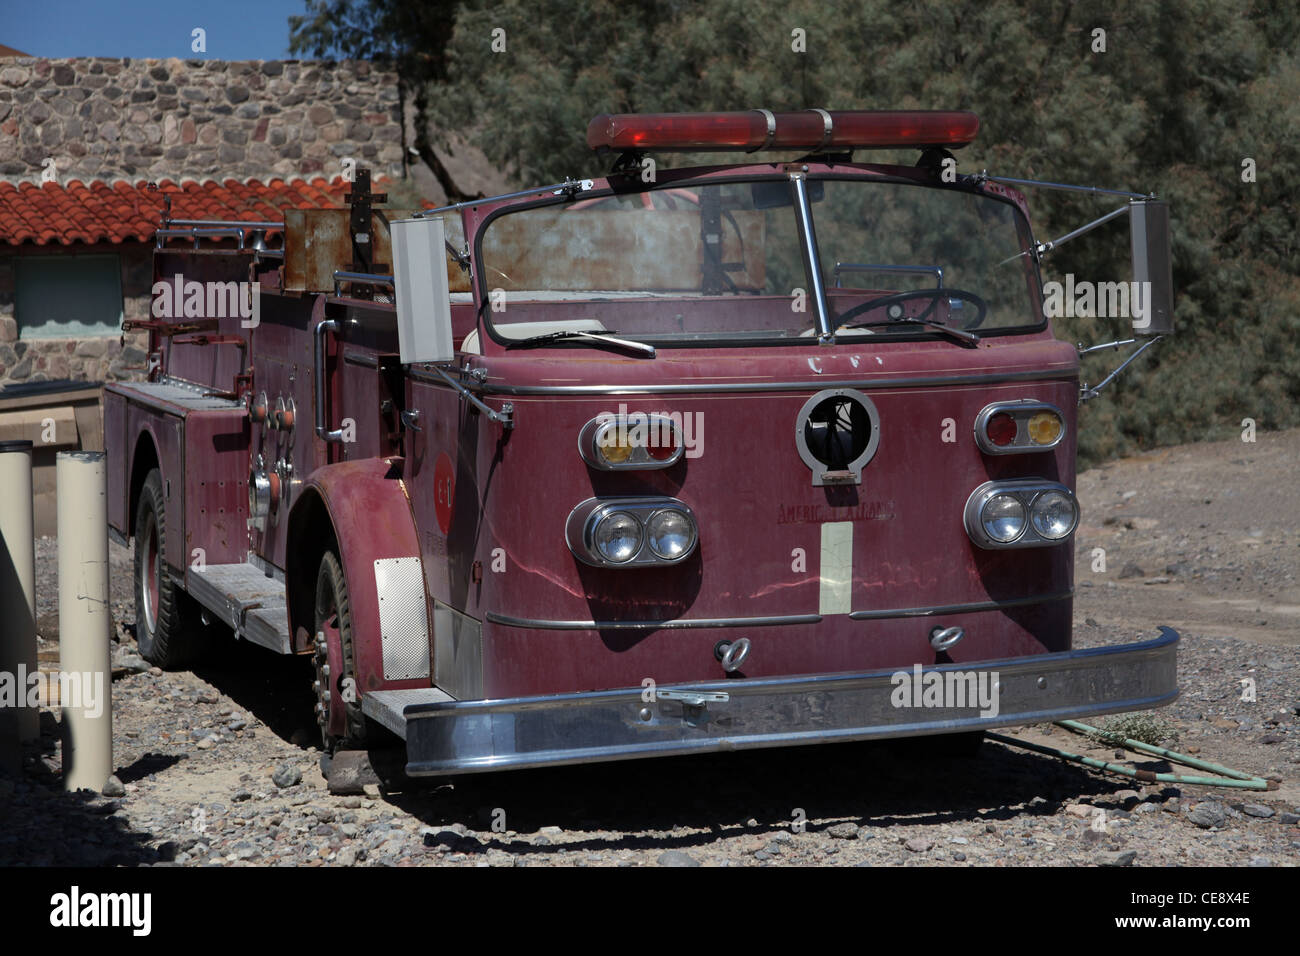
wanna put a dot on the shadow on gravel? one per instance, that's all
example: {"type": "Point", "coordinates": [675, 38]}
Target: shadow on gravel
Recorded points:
{"type": "Point", "coordinates": [275, 689]}
{"type": "Point", "coordinates": [146, 766]}
{"type": "Point", "coordinates": [46, 826]}
{"type": "Point", "coordinates": [875, 784]}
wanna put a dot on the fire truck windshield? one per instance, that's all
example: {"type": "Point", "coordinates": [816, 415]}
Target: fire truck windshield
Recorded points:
{"type": "Point", "coordinates": [725, 261]}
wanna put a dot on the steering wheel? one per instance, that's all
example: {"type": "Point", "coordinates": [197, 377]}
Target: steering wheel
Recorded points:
{"type": "Point", "coordinates": [934, 295]}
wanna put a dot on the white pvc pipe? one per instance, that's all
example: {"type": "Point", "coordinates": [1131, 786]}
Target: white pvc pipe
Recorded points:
{"type": "Point", "coordinates": [84, 620]}
{"type": "Point", "coordinates": [18, 721]}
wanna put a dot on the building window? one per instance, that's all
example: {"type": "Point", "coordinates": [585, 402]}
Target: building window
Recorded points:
{"type": "Point", "coordinates": [67, 297]}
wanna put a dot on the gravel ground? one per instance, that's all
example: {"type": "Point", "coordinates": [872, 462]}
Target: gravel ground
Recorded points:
{"type": "Point", "coordinates": [216, 766]}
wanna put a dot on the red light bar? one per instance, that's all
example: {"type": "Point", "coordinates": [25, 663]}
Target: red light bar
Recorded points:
{"type": "Point", "coordinates": [808, 130]}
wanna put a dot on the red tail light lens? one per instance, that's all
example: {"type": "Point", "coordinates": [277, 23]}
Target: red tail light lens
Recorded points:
{"type": "Point", "coordinates": [664, 449]}
{"type": "Point", "coordinates": [1001, 429]}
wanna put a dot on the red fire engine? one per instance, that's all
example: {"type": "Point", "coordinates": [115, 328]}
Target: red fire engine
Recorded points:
{"type": "Point", "coordinates": [669, 461]}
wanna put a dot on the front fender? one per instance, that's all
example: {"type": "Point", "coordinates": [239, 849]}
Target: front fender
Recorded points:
{"type": "Point", "coordinates": [372, 529]}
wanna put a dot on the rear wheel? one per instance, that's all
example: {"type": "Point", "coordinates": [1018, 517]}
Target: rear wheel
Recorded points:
{"type": "Point", "coordinates": [167, 625]}
{"type": "Point", "coordinates": [338, 705]}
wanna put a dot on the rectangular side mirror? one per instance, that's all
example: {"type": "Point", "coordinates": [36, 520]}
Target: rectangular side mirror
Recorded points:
{"type": "Point", "coordinates": [1152, 265]}
{"type": "Point", "coordinates": [420, 284]}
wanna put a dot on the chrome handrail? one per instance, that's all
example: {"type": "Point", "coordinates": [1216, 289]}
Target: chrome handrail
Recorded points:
{"type": "Point", "coordinates": [225, 222]}
{"type": "Point", "coordinates": [197, 232]}
{"type": "Point", "coordinates": [195, 228]}
{"type": "Point", "coordinates": [363, 278]}
{"type": "Point", "coordinates": [323, 431]}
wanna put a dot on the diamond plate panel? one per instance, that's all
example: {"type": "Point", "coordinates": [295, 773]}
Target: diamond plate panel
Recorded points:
{"type": "Point", "coordinates": [403, 621]}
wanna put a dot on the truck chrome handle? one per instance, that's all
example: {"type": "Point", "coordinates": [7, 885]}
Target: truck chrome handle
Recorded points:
{"type": "Point", "coordinates": [943, 638]}
{"type": "Point", "coordinates": [318, 370]}
{"type": "Point", "coordinates": [731, 654]}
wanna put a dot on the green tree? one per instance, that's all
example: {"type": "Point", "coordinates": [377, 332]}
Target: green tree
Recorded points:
{"type": "Point", "coordinates": [1171, 98]}
{"type": "Point", "coordinates": [409, 37]}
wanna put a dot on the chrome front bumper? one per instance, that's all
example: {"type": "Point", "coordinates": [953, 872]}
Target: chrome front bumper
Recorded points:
{"type": "Point", "coordinates": [456, 737]}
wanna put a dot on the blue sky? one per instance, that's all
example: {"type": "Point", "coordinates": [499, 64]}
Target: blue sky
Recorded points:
{"type": "Point", "coordinates": [236, 29]}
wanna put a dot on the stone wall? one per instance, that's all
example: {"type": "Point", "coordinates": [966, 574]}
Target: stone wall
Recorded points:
{"type": "Point", "coordinates": [92, 359]}
{"type": "Point", "coordinates": [124, 119]}
{"type": "Point", "coordinates": [111, 119]}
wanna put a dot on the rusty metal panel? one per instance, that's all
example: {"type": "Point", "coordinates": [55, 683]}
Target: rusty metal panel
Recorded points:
{"type": "Point", "coordinates": [318, 243]}
{"type": "Point", "coordinates": [216, 486]}
{"type": "Point", "coordinates": [159, 423]}
{"type": "Point", "coordinates": [371, 516]}
{"type": "Point", "coordinates": [202, 292]}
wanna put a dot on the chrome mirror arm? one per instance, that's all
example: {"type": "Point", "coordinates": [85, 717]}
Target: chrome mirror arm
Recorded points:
{"type": "Point", "coordinates": [1086, 392]}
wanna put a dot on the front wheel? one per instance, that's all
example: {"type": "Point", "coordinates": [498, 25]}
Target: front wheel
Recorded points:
{"type": "Point", "coordinates": [167, 625]}
{"type": "Point", "coordinates": [338, 704]}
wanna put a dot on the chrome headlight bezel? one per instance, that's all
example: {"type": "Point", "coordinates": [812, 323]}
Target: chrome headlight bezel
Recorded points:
{"type": "Point", "coordinates": [1027, 491]}
{"type": "Point", "coordinates": [580, 530]}
{"type": "Point", "coordinates": [652, 426]}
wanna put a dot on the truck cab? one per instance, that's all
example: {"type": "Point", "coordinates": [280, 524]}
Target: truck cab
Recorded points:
{"type": "Point", "coordinates": [771, 452]}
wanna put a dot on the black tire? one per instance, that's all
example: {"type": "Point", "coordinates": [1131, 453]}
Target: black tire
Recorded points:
{"type": "Point", "coordinates": [333, 610]}
{"type": "Point", "coordinates": [167, 626]}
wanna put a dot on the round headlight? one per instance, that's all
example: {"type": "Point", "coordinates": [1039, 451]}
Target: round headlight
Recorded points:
{"type": "Point", "coordinates": [617, 537]}
{"type": "Point", "coordinates": [671, 534]}
{"type": "Point", "coordinates": [1003, 518]}
{"type": "Point", "coordinates": [1053, 515]}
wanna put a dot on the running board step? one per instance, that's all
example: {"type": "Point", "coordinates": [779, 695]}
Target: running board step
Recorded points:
{"type": "Point", "coordinates": [246, 599]}
{"type": "Point", "coordinates": [388, 707]}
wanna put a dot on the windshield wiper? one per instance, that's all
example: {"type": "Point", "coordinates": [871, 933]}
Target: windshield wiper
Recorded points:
{"type": "Point", "coordinates": [969, 338]}
{"type": "Point", "coordinates": [604, 338]}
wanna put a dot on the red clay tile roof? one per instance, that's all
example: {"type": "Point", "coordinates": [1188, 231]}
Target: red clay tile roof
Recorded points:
{"type": "Point", "coordinates": [123, 211]}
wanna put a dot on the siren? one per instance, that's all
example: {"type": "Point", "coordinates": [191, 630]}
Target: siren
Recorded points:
{"type": "Point", "coordinates": [812, 130]}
